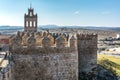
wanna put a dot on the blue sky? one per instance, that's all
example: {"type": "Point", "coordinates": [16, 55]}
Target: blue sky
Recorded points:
{"type": "Point", "coordinates": [62, 12]}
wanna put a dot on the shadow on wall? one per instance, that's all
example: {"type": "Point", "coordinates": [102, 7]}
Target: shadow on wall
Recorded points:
{"type": "Point", "coordinates": [0, 49]}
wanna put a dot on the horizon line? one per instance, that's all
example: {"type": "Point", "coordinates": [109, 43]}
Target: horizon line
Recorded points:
{"type": "Point", "coordinates": [62, 25]}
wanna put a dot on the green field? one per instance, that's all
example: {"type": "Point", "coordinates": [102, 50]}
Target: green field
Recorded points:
{"type": "Point", "coordinates": [109, 62]}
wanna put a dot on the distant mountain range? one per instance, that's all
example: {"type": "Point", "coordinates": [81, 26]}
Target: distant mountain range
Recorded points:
{"type": "Point", "coordinates": [14, 29]}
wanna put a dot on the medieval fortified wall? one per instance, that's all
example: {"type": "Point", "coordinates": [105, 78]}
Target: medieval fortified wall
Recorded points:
{"type": "Point", "coordinates": [51, 56]}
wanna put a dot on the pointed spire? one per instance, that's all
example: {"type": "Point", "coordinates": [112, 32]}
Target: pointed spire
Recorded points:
{"type": "Point", "coordinates": [30, 4]}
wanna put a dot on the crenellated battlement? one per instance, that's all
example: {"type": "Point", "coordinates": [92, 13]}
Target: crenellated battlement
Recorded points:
{"type": "Point", "coordinates": [44, 39]}
{"type": "Point", "coordinates": [86, 36]}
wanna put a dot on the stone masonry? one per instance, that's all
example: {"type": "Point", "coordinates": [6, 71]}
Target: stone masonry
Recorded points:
{"type": "Point", "coordinates": [51, 56]}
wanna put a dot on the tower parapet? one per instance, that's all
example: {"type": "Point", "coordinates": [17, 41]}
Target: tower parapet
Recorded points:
{"type": "Point", "coordinates": [86, 36]}
{"type": "Point", "coordinates": [87, 52]}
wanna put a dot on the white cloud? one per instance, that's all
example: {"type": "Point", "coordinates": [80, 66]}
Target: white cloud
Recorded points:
{"type": "Point", "coordinates": [105, 12]}
{"type": "Point", "coordinates": [76, 12]}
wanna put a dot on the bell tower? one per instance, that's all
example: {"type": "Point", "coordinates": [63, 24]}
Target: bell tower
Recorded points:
{"type": "Point", "coordinates": [30, 21]}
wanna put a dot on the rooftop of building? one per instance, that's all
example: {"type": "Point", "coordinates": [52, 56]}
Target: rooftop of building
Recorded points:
{"type": "Point", "coordinates": [2, 56]}
{"type": "Point", "coordinates": [4, 62]}
{"type": "Point", "coordinates": [5, 36]}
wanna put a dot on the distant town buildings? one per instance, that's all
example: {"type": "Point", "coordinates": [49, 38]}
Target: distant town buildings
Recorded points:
{"type": "Point", "coordinates": [118, 36]}
{"type": "Point", "coordinates": [5, 39]}
{"type": "Point", "coordinates": [5, 66]}
{"type": "Point", "coordinates": [5, 42]}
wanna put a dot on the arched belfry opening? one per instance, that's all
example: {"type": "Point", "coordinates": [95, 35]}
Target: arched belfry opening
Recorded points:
{"type": "Point", "coordinates": [30, 21]}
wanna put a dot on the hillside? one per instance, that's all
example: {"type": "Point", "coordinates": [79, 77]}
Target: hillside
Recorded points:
{"type": "Point", "coordinates": [109, 62]}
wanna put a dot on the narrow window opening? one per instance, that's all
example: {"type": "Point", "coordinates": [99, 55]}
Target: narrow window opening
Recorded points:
{"type": "Point", "coordinates": [34, 23]}
{"type": "Point", "coordinates": [30, 23]}
{"type": "Point", "coordinates": [26, 23]}
{"type": "Point", "coordinates": [30, 13]}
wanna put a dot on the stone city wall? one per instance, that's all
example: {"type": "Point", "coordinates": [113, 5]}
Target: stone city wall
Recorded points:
{"type": "Point", "coordinates": [45, 66]}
